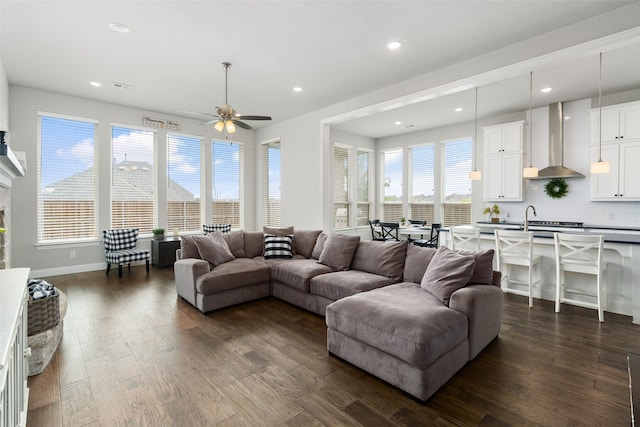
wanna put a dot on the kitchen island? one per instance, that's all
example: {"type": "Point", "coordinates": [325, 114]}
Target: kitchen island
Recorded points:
{"type": "Point", "coordinates": [621, 252]}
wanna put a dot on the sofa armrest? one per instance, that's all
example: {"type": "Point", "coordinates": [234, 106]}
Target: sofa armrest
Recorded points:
{"type": "Point", "coordinates": [186, 272]}
{"type": "Point", "coordinates": [483, 305]}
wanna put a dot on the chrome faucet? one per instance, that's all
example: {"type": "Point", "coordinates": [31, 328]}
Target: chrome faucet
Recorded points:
{"type": "Point", "coordinates": [526, 216]}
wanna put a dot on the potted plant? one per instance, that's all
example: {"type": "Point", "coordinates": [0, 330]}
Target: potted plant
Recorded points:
{"type": "Point", "coordinates": [493, 210]}
{"type": "Point", "coordinates": [158, 233]}
{"type": "Point", "coordinates": [403, 221]}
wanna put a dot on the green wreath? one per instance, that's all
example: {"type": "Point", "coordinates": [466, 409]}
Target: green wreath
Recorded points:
{"type": "Point", "coordinates": [556, 188]}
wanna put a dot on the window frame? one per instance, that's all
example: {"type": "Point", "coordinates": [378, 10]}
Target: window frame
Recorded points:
{"type": "Point", "coordinates": [201, 199]}
{"type": "Point", "coordinates": [271, 216]}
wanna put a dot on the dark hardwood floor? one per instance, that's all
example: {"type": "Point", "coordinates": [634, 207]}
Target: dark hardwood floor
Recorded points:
{"type": "Point", "coordinates": [134, 354]}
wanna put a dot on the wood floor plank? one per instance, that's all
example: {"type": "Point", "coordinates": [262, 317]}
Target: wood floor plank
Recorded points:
{"type": "Point", "coordinates": [135, 354]}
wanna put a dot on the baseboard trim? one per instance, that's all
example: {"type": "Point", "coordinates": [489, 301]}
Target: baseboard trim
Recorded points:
{"type": "Point", "coordinates": [70, 269]}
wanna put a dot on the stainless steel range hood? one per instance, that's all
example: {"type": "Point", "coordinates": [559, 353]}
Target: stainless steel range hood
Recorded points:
{"type": "Point", "coordinates": [556, 168]}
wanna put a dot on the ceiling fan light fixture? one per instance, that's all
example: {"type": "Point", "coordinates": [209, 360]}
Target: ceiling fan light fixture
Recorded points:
{"type": "Point", "coordinates": [231, 128]}
{"type": "Point", "coordinates": [219, 126]}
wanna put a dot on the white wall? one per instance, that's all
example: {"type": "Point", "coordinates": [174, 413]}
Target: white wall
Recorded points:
{"type": "Point", "coordinates": [55, 259]}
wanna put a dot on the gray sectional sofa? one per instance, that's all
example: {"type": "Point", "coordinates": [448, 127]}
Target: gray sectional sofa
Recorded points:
{"type": "Point", "coordinates": [411, 316]}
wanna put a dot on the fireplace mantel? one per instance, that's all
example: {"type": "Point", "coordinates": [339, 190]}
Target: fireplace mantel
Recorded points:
{"type": "Point", "coordinates": [10, 166]}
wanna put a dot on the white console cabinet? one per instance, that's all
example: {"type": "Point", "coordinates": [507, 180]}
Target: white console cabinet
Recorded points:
{"type": "Point", "coordinates": [503, 162]}
{"type": "Point", "coordinates": [14, 394]}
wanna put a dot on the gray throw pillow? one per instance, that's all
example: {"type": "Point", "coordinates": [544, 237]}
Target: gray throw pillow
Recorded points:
{"type": "Point", "coordinates": [319, 246]}
{"type": "Point", "coordinates": [447, 272]}
{"type": "Point", "coordinates": [213, 248]}
{"type": "Point", "coordinates": [304, 241]}
{"type": "Point", "coordinates": [189, 248]}
{"type": "Point", "coordinates": [235, 241]}
{"type": "Point", "coordinates": [483, 271]}
{"type": "Point", "coordinates": [338, 251]}
{"type": "Point", "coordinates": [416, 263]}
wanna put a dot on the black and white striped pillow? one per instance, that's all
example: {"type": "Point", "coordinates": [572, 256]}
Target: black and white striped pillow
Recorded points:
{"type": "Point", "coordinates": [277, 247]}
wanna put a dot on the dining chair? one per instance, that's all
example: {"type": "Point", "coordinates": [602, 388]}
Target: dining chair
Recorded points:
{"type": "Point", "coordinates": [581, 254]}
{"type": "Point", "coordinates": [416, 223]}
{"type": "Point", "coordinates": [433, 240]}
{"type": "Point", "coordinates": [390, 230]}
{"type": "Point", "coordinates": [375, 229]}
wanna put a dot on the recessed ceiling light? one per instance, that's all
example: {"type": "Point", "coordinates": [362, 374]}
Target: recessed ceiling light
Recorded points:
{"type": "Point", "coordinates": [297, 89]}
{"type": "Point", "coordinates": [546, 90]}
{"type": "Point", "coordinates": [458, 109]}
{"type": "Point", "coordinates": [394, 45]}
{"type": "Point", "coordinates": [120, 28]}
{"type": "Point", "coordinates": [95, 84]}
{"type": "Point", "coordinates": [398, 123]}
{"type": "Point", "coordinates": [567, 117]}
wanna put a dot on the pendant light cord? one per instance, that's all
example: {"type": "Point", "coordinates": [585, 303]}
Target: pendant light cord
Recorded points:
{"type": "Point", "coordinates": [475, 132]}
{"type": "Point", "coordinates": [600, 108]}
{"type": "Point", "coordinates": [530, 118]}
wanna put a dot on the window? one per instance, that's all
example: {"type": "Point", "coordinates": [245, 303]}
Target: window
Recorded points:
{"type": "Point", "coordinates": [341, 184]}
{"type": "Point", "coordinates": [456, 204]}
{"type": "Point", "coordinates": [226, 183]}
{"type": "Point", "coordinates": [271, 183]}
{"type": "Point", "coordinates": [67, 179]}
{"type": "Point", "coordinates": [392, 185]}
{"type": "Point", "coordinates": [183, 183]}
{"type": "Point", "coordinates": [422, 182]}
{"type": "Point", "coordinates": [363, 187]}
{"type": "Point", "coordinates": [133, 189]}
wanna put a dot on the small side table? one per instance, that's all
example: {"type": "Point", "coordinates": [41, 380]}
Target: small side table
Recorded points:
{"type": "Point", "coordinates": [163, 252]}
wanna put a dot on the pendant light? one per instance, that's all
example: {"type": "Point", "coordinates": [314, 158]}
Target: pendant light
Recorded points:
{"type": "Point", "coordinates": [475, 175]}
{"type": "Point", "coordinates": [530, 171]}
{"type": "Point", "coordinates": [600, 166]}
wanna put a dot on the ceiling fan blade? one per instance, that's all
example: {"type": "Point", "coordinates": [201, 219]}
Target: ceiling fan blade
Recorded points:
{"type": "Point", "coordinates": [243, 117]}
{"type": "Point", "coordinates": [210, 122]}
{"type": "Point", "coordinates": [196, 112]}
{"type": "Point", "coordinates": [241, 124]}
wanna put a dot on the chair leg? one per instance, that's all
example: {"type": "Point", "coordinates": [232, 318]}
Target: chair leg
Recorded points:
{"type": "Point", "coordinates": [530, 283]}
{"type": "Point", "coordinates": [559, 280]}
{"type": "Point", "coordinates": [120, 270]}
{"type": "Point", "coordinates": [147, 266]}
{"type": "Point", "coordinates": [108, 268]}
{"type": "Point", "coordinates": [600, 308]}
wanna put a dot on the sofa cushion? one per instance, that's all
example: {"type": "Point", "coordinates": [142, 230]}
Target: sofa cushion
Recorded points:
{"type": "Point", "coordinates": [403, 320]}
{"type": "Point", "coordinates": [304, 241]}
{"type": "Point", "coordinates": [298, 273]}
{"type": "Point", "coordinates": [416, 263]}
{"type": "Point", "coordinates": [338, 251]}
{"type": "Point", "coordinates": [319, 246]}
{"type": "Point", "coordinates": [189, 248]}
{"type": "Point", "coordinates": [277, 247]}
{"type": "Point", "coordinates": [483, 270]}
{"type": "Point", "coordinates": [213, 248]}
{"type": "Point", "coordinates": [342, 284]}
{"type": "Point", "coordinates": [383, 258]}
{"type": "Point", "coordinates": [253, 243]}
{"type": "Point", "coordinates": [232, 275]}
{"type": "Point", "coordinates": [235, 240]}
{"type": "Point", "coordinates": [447, 272]}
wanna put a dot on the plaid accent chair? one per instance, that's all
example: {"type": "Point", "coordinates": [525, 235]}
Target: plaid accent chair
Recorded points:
{"type": "Point", "coordinates": [210, 228]}
{"type": "Point", "coordinates": [120, 247]}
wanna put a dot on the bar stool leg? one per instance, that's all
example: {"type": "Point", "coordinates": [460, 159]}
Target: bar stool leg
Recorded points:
{"type": "Point", "coordinates": [559, 284]}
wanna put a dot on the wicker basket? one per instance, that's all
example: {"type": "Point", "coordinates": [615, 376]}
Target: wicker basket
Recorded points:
{"type": "Point", "coordinates": [43, 314]}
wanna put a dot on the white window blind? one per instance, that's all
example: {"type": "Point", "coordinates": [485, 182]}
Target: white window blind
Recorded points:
{"type": "Point", "coordinates": [183, 183]}
{"type": "Point", "coordinates": [363, 187]}
{"type": "Point", "coordinates": [271, 183]}
{"type": "Point", "coordinates": [422, 182]}
{"type": "Point", "coordinates": [341, 184]}
{"type": "Point", "coordinates": [133, 188]}
{"type": "Point", "coordinates": [392, 185]}
{"type": "Point", "coordinates": [457, 186]}
{"type": "Point", "coordinates": [67, 179]}
{"type": "Point", "coordinates": [226, 183]}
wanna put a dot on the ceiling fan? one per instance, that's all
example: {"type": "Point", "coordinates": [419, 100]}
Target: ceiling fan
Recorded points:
{"type": "Point", "coordinates": [226, 116]}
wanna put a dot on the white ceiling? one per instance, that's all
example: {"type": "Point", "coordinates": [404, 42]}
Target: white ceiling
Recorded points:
{"type": "Point", "coordinates": [335, 50]}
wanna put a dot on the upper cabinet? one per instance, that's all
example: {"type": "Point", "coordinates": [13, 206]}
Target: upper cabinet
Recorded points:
{"type": "Point", "coordinates": [503, 162]}
{"type": "Point", "coordinates": [619, 122]}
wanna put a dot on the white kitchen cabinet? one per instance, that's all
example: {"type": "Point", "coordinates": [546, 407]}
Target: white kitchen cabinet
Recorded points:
{"type": "Point", "coordinates": [619, 122]}
{"type": "Point", "coordinates": [503, 162]}
{"type": "Point", "coordinates": [622, 183]}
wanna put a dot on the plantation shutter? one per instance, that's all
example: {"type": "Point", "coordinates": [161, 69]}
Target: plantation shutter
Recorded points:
{"type": "Point", "coordinates": [422, 182]}
{"type": "Point", "coordinates": [67, 179]}
{"type": "Point", "coordinates": [226, 183]}
{"type": "Point", "coordinates": [341, 183]}
{"type": "Point", "coordinates": [183, 183]}
{"type": "Point", "coordinates": [133, 188]}
{"type": "Point", "coordinates": [363, 187]}
{"type": "Point", "coordinates": [457, 185]}
{"type": "Point", "coordinates": [392, 185]}
{"type": "Point", "coordinates": [271, 183]}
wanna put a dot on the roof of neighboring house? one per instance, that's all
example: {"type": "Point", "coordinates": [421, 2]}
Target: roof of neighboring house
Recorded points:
{"type": "Point", "coordinates": [131, 181]}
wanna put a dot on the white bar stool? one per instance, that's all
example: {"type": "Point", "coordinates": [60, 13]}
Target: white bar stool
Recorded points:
{"type": "Point", "coordinates": [579, 253]}
{"type": "Point", "coordinates": [515, 248]}
{"type": "Point", "coordinates": [465, 238]}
